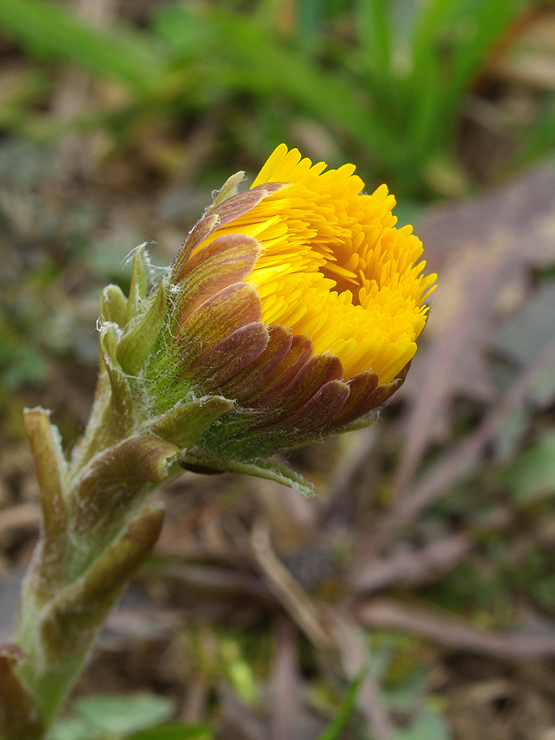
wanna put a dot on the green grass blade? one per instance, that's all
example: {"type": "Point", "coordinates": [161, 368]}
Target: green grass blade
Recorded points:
{"type": "Point", "coordinates": [332, 97]}
{"type": "Point", "coordinates": [49, 29]}
{"type": "Point", "coordinates": [424, 85]}
{"type": "Point", "coordinates": [348, 706]}
{"type": "Point", "coordinates": [451, 41]}
{"type": "Point", "coordinates": [378, 40]}
{"type": "Point", "coordinates": [374, 33]}
{"type": "Point", "coordinates": [242, 54]}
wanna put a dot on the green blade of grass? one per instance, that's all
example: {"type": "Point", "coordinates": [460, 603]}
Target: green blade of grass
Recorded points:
{"type": "Point", "coordinates": [348, 706]}
{"type": "Point", "coordinates": [451, 41]}
{"type": "Point", "coordinates": [424, 84]}
{"type": "Point", "coordinates": [49, 29]}
{"type": "Point", "coordinates": [374, 33]}
{"type": "Point", "coordinates": [244, 55]}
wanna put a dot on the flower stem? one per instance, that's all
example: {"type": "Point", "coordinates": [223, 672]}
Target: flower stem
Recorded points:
{"type": "Point", "coordinates": [96, 533]}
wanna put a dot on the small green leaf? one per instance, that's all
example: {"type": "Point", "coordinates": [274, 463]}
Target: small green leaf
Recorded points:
{"type": "Point", "coordinates": [113, 305]}
{"type": "Point", "coordinates": [122, 400]}
{"type": "Point", "coordinates": [51, 470]}
{"type": "Point", "coordinates": [142, 331]}
{"type": "Point", "coordinates": [124, 714]}
{"type": "Point", "coordinates": [78, 609]}
{"type": "Point", "coordinates": [184, 424]}
{"type": "Point", "coordinates": [269, 469]}
{"type": "Point", "coordinates": [138, 287]}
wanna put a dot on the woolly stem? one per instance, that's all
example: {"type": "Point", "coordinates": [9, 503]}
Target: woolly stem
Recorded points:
{"type": "Point", "coordinates": [96, 533]}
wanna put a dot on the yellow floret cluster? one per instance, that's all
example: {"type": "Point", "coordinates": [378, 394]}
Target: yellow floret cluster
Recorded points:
{"type": "Point", "coordinates": [334, 267]}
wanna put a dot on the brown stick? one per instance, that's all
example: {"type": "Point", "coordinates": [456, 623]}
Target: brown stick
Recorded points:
{"type": "Point", "coordinates": [411, 568]}
{"type": "Point", "coordinates": [452, 633]}
{"type": "Point", "coordinates": [288, 591]}
{"type": "Point", "coordinates": [284, 681]}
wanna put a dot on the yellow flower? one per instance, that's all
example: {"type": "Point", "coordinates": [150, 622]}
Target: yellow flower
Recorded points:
{"type": "Point", "coordinates": [298, 302]}
{"type": "Point", "coordinates": [290, 313]}
{"type": "Point", "coordinates": [333, 266]}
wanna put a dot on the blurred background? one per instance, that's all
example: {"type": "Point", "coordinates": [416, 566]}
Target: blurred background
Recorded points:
{"type": "Point", "coordinates": [415, 597]}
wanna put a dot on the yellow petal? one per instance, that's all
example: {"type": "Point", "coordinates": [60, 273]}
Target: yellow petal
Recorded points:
{"type": "Point", "coordinates": [333, 265]}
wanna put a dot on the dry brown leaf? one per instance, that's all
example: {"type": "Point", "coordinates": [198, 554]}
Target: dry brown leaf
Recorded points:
{"type": "Point", "coordinates": [483, 250]}
{"type": "Point", "coordinates": [453, 464]}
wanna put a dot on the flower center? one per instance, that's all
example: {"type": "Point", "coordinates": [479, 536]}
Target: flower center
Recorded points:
{"type": "Point", "coordinates": [334, 267]}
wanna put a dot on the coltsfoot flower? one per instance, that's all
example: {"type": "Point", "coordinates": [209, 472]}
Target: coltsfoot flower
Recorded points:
{"type": "Point", "coordinates": [291, 312]}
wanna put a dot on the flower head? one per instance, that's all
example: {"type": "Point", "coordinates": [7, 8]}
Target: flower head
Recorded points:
{"type": "Point", "coordinates": [292, 311]}
{"type": "Point", "coordinates": [333, 266]}
{"type": "Point", "coordinates": [300, 300]}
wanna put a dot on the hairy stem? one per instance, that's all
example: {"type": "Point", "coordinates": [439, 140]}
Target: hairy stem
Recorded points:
{"type": "Point", "coordinates": [96, 533]}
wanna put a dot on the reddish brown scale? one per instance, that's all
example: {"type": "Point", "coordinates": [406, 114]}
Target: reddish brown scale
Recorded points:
{"type": "Point", "coordinates": [227, 260]}
{"type": "Point", "coordinates": [257, 373]}
{"type": "Point", "coordinates": [240, 204]}
{"type": "Point", "coordinates": [236, 352]}
{"type": "Point", "coordinates": [219, 217]}
{"type": "Point", "coordinates": [217, 318]}
{"type": "Point", "coordinates": [384, 392]}
{"type": "Point", "coordinates": [361, 397]}
{"type": "Point", "coordinates": [375, 398]}
{"type": "Point", "coordinates": [199, 233]}
{"type": "Point", "coordinates": [324, 405]}
{"type": "Point", "coordinates": [319, 369]}
{"type": "Point", "coordinates": [283, 375]}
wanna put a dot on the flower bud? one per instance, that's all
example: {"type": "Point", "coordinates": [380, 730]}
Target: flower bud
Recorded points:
{"type": "Point", "coordinates": [290, 313]}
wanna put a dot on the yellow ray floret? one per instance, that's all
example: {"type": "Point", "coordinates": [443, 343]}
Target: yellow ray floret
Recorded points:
{"type": "Point", "coordinates": [333, 265]}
